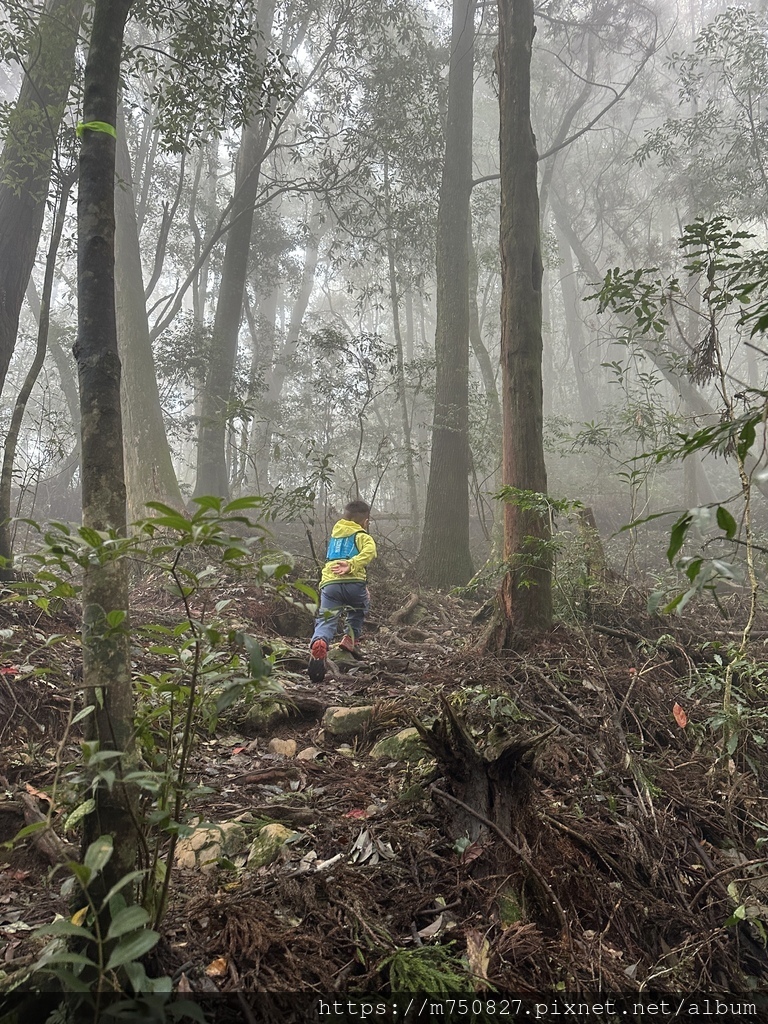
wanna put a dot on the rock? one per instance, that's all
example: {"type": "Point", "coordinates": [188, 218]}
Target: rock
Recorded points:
{"type": "Point", "coordinates": [267, 845]}
{"type": "Point", "coordinates": [308, 754]}
{"type": "Point", "coordinates": [346, 723]}
{"type": "Point", "coordinates": [263, 717]}
{"type": "Point", "coordinates": [206, 846]}
{"type": "Point", "coordinates": [285, 747]}
{"type": "Point", "coordinates": [405, 745]}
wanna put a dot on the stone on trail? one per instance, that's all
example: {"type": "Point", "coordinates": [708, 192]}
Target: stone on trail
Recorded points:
{"type": "Point", "coordinates": [405, 745]}
{"type": "Point", "coordinates": [206, 846]}
{"type": "Point", "coordinates": [267, 845]}
{"type": "Point", "coordinates": [285, 747]}
{"type": "Point", "coordinates": [346, 723]}
{"type": "Point", "coordinates": [308, 754]}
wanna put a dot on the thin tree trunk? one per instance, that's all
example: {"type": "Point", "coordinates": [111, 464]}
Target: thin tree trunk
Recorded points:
{"type": "Point", "coordinates": [212, 475]}
{"type": "Point", "coordinates": [444, 557]}
{"type": "Point", "coordinates": [12, 438]}
{"type": "Point", "coordinates": [402, 395]}
{"type": "Point", "coordinates": [524, 601]}
{"type": "Point", "coordinates": [25, 162]}
{"type": "Point", "coordinates": [585, 383]}
{"type": "Point", "coordinates": [106, 651]}
{"type": "Point", "coordinates": [476, 340]}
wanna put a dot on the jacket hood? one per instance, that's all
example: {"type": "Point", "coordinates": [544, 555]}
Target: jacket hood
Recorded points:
{"type": "Point", "coordinates": [345, 527]}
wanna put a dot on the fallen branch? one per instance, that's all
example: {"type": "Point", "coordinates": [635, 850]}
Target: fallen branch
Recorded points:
{"type": "Point", "coordinates": [54, 849]}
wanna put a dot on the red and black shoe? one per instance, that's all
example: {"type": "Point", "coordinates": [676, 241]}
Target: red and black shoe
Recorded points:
{"type": "Point", "coordinates": [318, 652]}
{"type": "Point", "coordinates": [351, 646]}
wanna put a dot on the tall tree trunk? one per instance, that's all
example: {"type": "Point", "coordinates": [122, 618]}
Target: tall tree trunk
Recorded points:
{"type": "Point", "coordinates": [106, 651]}
{"type": "Point", "coordinates": [444, 557]}
{"type": "Point", "coordinates": [524, 601]}
{"type": "Point", "coordinates": [212, 477]}
{"type": "Point", "coordinates": [25, 162]}
{"type": "Point", "coordinates": [317, 228]}
{"type": "Point", "coordinates": [411, 535]}
{"type": "Point", "coordinates": [150, 475]}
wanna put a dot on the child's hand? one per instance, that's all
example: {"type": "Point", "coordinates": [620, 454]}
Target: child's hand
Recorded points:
{"type": "Point", "coordinates": [341, 568]}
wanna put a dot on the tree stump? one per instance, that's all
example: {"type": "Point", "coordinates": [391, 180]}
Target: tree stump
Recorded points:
{"type": "Point", "coordinates": [495, 783]}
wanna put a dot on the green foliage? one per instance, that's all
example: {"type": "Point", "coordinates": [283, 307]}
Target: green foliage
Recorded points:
{"type": "Point", "coordinates": [222, 77]}
{"type": "Point", "coordinates": [201, 666]}
{"type": "Point", "coordinates": [95, 955]}
{"type": "Point", "coordinates": [534, 501]}
{"type": "Point", "coordinates": [719, 148]}
{"type": "Point", "coordinates": [435, 970]}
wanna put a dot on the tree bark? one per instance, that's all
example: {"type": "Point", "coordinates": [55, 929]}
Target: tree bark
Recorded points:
{"type": "Point", "coordinates": [212, 475]}
{"type": "Point", "coordinates": [444, 557]}
{"type": "Point", "coordinates": [524, 601]}
{"type": "Point", "coordinates": [106, 652]}
{"type": "Point", "coordinates": [25, 163]}
{"type": "Point", "coordinates": [150, 475]}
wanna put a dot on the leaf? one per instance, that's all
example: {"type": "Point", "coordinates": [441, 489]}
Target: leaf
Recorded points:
{"type": "Point", "coordinates": [434, 929]}
{"type": "Point", "coordinates": [132, 947]}
{"type": "Point", "coordinates": [63, 927]}
{"type": "Point", "coordinates": [726, 522]}
{"type": "Point", "coordinates": [241, 503]}
{"type": "Point", "coordinates": [478, 953]}
{"type": "Point", "coordinates": [127, 920]}
{"type": "Point", "coordinates": [79, 813]}
{"type": "Point", "coordinates": [84, 713]}
{"type": "Point", "coordinates": [680, 716]}
{"type": "Point", "coordinates": [98, 853]}
{"type": "Point", "coordinates": [80, 915]}
{"type": "Point", "coordinates": [132, 876]}
{"type": "Point", "coordinates": [677, 536]}
{"type": "Point", "coordinates": [217, 968]}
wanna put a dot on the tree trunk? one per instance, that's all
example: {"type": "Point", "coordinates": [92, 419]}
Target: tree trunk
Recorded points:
{"type": "Point", "coordinates": [411, 535]}
{"type": "Point", "coordinates": [476, 340]}
{"type": "Point", "coordinates": [212, 477]}
{"type": "Point", "coordinates": [585, 382]}
{"type": "Point", "coordinates": [12, 438]}
{"type": "Point", "coordinates": [444, 558]}
{"type": "Point", "coordinates": [106, 651]}
{"type": "Point", "coordinates": [150, 475]}
{"type": "Point", "coordinates": [524, 601]}
{"type": "Point", "coordinates": [25, 163]}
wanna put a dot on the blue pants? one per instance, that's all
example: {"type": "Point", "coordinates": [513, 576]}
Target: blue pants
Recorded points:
{"type": "Point", "coordinates": [335, 598]}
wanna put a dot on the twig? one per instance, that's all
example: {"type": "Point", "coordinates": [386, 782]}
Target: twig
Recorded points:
{"type": "Point", "coordinates": [720, 874]}
{"type": "Point", "coordinates": [517, 851]}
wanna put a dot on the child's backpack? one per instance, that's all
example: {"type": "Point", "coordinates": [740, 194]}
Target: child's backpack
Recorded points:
{"type": "Point", "coordinates": [342, 547]}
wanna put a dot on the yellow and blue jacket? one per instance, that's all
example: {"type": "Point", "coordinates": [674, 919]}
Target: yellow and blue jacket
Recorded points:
{"type": "Point", "coordinates": [349, 543]}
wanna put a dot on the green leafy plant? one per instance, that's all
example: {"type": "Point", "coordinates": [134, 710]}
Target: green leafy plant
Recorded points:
{"type": "Point", "coordinates": [436, 970]}
{"type": "Point", "coordinates": [97, 964]}
{"type": "Point", "coordinates": [202, 665]}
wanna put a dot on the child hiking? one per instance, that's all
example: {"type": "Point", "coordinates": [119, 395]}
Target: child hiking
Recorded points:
{"type": "Point", "coordinates": [343, 585]}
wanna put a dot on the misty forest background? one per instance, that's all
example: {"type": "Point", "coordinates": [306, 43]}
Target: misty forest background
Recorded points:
{"type": "Point", "coordinates": [278, 180]}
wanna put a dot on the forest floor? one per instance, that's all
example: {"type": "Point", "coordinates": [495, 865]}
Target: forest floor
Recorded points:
{"type": "Point", "coordinates": [633, 859]}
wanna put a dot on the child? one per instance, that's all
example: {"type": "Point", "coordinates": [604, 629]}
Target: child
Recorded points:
{"type": "Point", "coordinates": [343, 585]}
